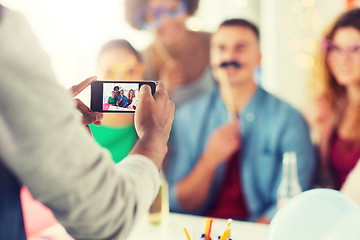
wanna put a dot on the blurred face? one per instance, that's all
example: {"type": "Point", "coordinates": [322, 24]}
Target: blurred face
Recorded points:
{"type": "Point", "coordinates": [236, 49]}
{"type": "Point", "coordinates": [122, 93]}
{"type": "Point", "coordinates": [120, 64]}
{"type": "Point", "coordinates": [113, 94]}
{"type": "Point", "coordinates": [167, 18]}
{"type": "Point", "coordinates": [343, 56]}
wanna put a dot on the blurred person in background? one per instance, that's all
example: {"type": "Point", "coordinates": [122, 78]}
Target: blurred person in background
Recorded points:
{"type": "Point", "coordinates": [179, 57]}
{"type": "Point", "coordinates": [118, 60]}
{"type": "Point", "coordinates": [335, 107]}
{"type": "Point", "coordinates": [222, 167]}
{"type": "Point", "coordinates": [45, 147]}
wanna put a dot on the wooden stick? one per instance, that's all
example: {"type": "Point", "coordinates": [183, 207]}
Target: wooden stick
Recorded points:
{"type": "Point", "coordinates": [225, 89]}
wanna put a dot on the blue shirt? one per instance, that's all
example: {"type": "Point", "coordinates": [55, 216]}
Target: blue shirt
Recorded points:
{"type": "Point", "coordinates": [123, 102]}
{"type": "Point", "coordinates": [269, 127]}
{"type": "Point", "coordinates": [11, 218]}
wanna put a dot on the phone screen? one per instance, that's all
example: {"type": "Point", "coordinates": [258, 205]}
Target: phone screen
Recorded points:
{"type": "Point", "coordinates": [121, 96]}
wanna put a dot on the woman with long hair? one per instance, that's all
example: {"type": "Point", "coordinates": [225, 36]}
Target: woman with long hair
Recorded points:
{"type": "Point", "coordinates": [335, 90]}
{"type": "Point", "coordinates": [131, 97]}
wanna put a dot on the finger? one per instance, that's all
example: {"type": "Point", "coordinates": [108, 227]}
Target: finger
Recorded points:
{"type": "Point", "coordinates": [81, 106]}
{"type": "Point", "coordinates": [91, 117]}
{"type": "Point", "coordinates": [145, 90]}
{"type": "Point", "coordinates": [94, 117]}
{"type": "Point", "coordinates": [161, 92]}
{"type": "Point", "coordinates": [160, 86]}
{"type": "Point", "coordinates": [98, 123]}
{"type": "Point", "coordinates": [76, 89]}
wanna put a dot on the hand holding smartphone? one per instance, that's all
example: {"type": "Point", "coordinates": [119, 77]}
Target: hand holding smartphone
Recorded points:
{"type": "Point", "coordinates": [117, 96]}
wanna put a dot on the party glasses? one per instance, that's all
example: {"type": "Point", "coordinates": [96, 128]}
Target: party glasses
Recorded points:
{"type": "Point", "coordinates": [334, 52]}
{"type": "Point", "coordinates": [151, 17]}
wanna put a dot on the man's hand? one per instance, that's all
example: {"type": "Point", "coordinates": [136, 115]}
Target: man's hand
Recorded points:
{"type": "Point", "coordinates": [223, 143]}
{"type": "Point", "coordinates": [88, 116]}
{"type": "Point", "coordinates": [153, 119]}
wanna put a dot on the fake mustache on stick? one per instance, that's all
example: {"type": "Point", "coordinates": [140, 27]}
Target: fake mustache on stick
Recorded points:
{"type": "Point", "coordinates": [226, 88]}
{"type": "Point", "coordinates": [234, 64]}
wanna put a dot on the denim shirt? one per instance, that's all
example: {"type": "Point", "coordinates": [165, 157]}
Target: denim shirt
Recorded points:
{"type": "Point", "coordinates": [268, 127]}
{"type": "Point", "coordinates": [123, 103]}
{"type": "Point", "coordinates": [11, 218]}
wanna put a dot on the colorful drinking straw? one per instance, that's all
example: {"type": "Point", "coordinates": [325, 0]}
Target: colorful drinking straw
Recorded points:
{"type": "Point", "coordinates": [226, 233]}
{"type": "Point", "coordinates": [209, 230]}
{"type": "Point", "coordinates": [206, 226]}
{"type": "Point", "coordinates": [187, 234]}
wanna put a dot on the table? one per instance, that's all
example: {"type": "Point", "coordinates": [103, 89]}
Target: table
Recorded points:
{"type": "Point", "coordinates": [172, 228]}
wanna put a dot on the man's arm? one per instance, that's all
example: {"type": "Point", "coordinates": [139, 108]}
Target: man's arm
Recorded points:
{"type": "Point", "coordinates": [49, 150]}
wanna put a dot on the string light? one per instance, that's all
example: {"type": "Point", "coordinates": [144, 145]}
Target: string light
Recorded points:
{"type": "Point", "coordinates": [194, 23]}
{"type": "Point", "coordinates": [302, 20]}
{"type": "Point", "coordinates": [304, 61]}
{"type": "Point", "coordinates": [308, 3]}
{"type": "Point", "coordinates": [308, 45]}
{"type": "Point", "coordinates": [294, 44]}
{"type": "Point", "coordinates": [296, 7]}
{"type": "Point", "coordinates": [241, 3]}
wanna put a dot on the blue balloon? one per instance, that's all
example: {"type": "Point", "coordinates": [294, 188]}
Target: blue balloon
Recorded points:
{"type": "Point", "coordinates": [319, 214]}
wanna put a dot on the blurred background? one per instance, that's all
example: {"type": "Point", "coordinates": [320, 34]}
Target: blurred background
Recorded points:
{"type": "Point", "coordinates": [72, 32]}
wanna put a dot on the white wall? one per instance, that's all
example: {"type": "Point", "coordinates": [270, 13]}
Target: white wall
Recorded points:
{"type": "Point", "coordinates": [290, 30]}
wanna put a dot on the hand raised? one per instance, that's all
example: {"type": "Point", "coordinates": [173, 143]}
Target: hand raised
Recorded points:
{"type": "Point", "coordinates": [223, 143]}
{"type": "Point", "coordinates": [88, 117]}
{"type": "Point", "coordinates": [153, 119]}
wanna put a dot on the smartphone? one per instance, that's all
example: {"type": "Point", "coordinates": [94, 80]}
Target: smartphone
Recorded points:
{"type": "Point", "coordinates": [117, 96]}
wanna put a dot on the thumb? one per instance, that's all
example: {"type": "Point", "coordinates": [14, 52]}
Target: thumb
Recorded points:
{"type": "Point", "coordinates": [145, 92]}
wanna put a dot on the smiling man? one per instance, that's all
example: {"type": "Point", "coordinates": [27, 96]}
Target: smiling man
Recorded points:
{"type": "Point", "coordinates": [222, 167]}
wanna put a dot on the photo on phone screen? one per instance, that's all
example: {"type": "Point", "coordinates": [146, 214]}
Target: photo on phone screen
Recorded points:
{"type": "Point", "coordinates": [120, 96]}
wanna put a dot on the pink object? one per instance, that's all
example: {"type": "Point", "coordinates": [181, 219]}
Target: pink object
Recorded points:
{"type": "Point", "coordinates": [36, 216]}
{"type": "Point", "coordinates": [325, 43]}
{"type": "Point", "coordinates": [106, 106]}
